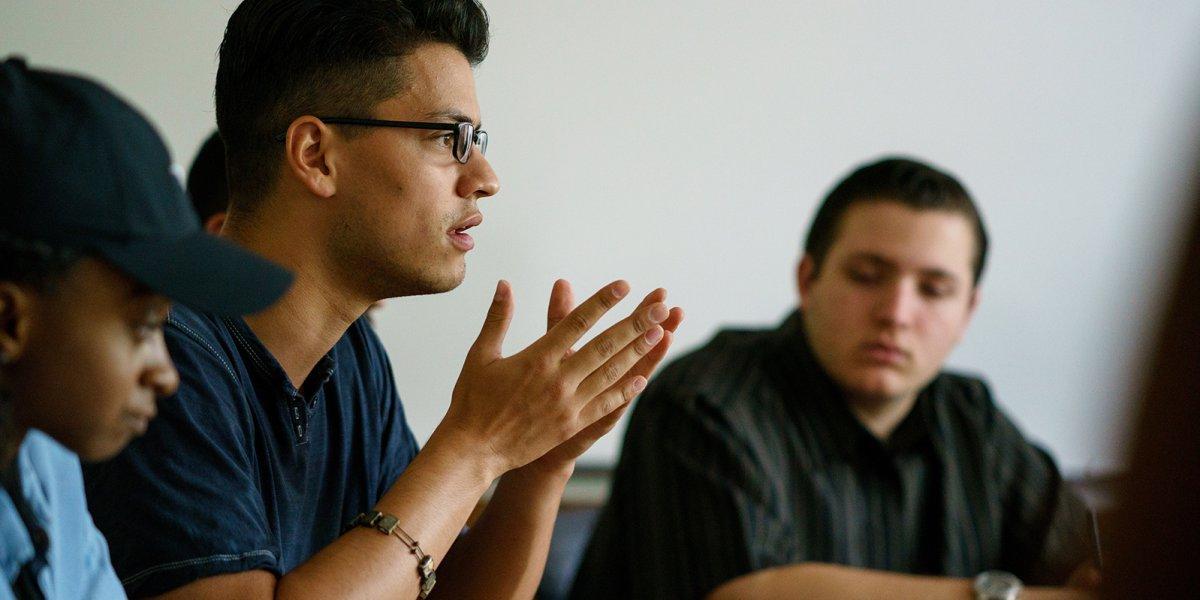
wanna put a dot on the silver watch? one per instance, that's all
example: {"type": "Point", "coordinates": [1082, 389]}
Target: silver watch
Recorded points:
{"type": "Point", "coordinates": [997, 585]}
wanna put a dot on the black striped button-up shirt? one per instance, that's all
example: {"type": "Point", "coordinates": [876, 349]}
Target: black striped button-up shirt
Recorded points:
{"type": "Point", "coordinates": [743, 455]}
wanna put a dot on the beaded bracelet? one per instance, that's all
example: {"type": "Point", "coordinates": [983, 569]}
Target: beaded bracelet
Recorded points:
{"type": "Point", "coordinates": [389, 525]}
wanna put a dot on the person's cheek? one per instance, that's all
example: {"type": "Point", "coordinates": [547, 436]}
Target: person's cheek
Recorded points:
{"type": "Point", "coordinates": [119, 389]}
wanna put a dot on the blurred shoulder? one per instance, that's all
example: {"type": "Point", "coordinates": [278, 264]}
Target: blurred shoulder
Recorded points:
{"type": "Point", "coordinates": [728, 369]}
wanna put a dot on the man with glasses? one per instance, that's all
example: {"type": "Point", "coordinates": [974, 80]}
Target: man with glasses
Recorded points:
{"type": "Point", "coordinates": [463, 134]}
{"type": "Point", "coordinates": [283, 467]}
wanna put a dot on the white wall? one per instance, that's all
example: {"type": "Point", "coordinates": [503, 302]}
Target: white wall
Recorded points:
{"type": "Point", "coordinates": [685, 144]}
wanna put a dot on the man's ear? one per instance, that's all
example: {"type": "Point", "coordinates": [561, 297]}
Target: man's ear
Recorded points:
{"type": "Point", "coordinates": [215, 222]}
{"type": "Point", "coordinates": [972, 304]}
{"type": "Point", "coordinates": [973, 301]}
{"type": "Point", "coordinates": [805, 273]}
{"type": "Point", "coordinates": [308, 148]}
{"type": "Point", "coordinates": [16, 301]}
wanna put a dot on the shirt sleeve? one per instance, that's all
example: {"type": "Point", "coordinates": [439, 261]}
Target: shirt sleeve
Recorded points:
{"type": "Point", "coordinates": [183, 502]}
{"type": "Point", "coordinates": [398, 446]}
{"type": "Point", "coordinates": [1045, 534]}
{"type": "Point", "coordinates": [686, 502]}
{"type": "Point", "coordinates": [97, 580]}
{"type": "Point", "coordinates": [79, 565]}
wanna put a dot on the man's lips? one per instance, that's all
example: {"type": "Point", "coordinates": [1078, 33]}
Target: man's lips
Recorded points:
{"type": "Point", "coordinates": [458, 235]}
{"type": "Point", "coordinates": [884, 353]}
{"type": "Point", "coordinates": [139, 418]}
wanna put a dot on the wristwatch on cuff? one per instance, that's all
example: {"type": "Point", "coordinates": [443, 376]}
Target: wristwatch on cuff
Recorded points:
{"type": "Point", "coordinates": [997, 585]}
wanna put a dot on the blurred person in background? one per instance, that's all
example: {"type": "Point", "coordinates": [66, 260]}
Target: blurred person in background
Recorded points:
{"type": "Point", "coordinates": [823, 458]}
{"type": "Point", "coordinates": [1155, 532]}
{"type": "Point", "coordinates": [208, 185]}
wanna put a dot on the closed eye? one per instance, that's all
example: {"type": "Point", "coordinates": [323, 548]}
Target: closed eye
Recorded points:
{"type": "Point", "coordinates": [937, 290]}
{"type": "Point", "coordinates": [864, 276]}
{"type": "Point", "coordinates": [934, 291]}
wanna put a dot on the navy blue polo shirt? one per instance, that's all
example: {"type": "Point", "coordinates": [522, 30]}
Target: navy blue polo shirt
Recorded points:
{"type": "Point", "coordinates": [241, 470]}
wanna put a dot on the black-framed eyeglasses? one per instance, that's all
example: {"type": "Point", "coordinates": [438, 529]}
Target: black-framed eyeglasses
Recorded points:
{"type": "Point", "coordinates": [465, 134]}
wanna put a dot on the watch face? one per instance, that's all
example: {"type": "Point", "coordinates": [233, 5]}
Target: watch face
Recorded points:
{"type": "Point", "coordinates": [997, 585]}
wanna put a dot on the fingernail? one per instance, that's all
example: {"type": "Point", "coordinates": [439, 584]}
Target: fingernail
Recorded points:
{"type": "Point", "coordinates": [499, 291]}
{"type": "Point", "coordinates": [639, 384]}
{"type": "Point", "coordinates": [654, 335]}
{"type": "Point", "coordinates": [620, 289]}
{"type": "Point", "coordinates": [659, 313]}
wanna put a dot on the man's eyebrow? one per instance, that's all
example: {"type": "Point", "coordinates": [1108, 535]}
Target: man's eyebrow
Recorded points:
{"type": "Point", "coordinates": [873, 258]}
{"type": "Point", "coordinates": [938, 273]}
{"type": "Point", "coordinates": [879, 260]}
{"type": "Point", "coordinates": [453, 115]}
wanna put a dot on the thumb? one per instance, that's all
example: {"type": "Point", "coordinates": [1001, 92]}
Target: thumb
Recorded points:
{"type": "Point", "coordinates": [488, 346]}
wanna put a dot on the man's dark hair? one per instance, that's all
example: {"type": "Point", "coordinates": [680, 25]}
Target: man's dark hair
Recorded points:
{"type": "Point", "coordinates": [903, 180]}
{"type": "Point", "coordinates": [34, 262]}
{"type": "Point", "coordinates": [282, 59]}
{"type": "Point", "coordinates": [206, 182]}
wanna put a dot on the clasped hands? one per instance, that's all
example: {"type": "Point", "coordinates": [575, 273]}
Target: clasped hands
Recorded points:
{"type": "Point", "coordinates": [547, 404]}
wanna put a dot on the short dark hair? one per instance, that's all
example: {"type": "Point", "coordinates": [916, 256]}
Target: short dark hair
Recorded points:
{"type": "Point", "coordinates": [282, 59]}
{"type": "Point", "coordinates": [34, 262]}
{"type": "Point", "coordinates": [894, 179]}
{"type": "Point", "coordinates": [207, 184]}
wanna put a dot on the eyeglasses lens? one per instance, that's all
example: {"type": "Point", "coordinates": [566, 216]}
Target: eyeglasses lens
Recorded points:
{"type": "Point", "coordinates": [465, 137]}
{"type": "Point", "coordinates": [462, 142]}
{"type": "Point", "coordinates": [481, 140]}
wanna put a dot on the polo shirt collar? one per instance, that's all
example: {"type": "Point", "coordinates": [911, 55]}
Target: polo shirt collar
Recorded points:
{"type": "Point", "coordinates": [265, 362]}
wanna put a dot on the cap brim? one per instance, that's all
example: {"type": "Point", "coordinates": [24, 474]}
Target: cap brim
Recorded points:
{"type": "Point", "coordinates": [203, 271]}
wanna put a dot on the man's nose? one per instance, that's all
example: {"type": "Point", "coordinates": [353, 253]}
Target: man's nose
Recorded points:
{"type": "Point", "coordinates": [160, 373]}
{"type": "Point", "coordinates": [478, 179]}
{"type": "Point", "coordinates": [897, 304]}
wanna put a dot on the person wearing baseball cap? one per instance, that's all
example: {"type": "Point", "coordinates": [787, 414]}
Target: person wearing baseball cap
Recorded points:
{"type": "Point", "coordinates": [97, 238]}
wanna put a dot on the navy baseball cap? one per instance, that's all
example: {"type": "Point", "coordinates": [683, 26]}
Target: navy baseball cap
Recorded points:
{"type": "Point", "coordinates": [83, 169]}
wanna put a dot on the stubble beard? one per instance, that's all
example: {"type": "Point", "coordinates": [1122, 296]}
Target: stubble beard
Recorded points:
{"type": "Point", "coordinates": [400, 277]}
{"type": "Point", "coordinates": [379, 270]}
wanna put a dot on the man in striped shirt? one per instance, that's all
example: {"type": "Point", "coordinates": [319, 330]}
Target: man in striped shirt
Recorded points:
{"type": "Point", "coordinates": [821, 458]}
